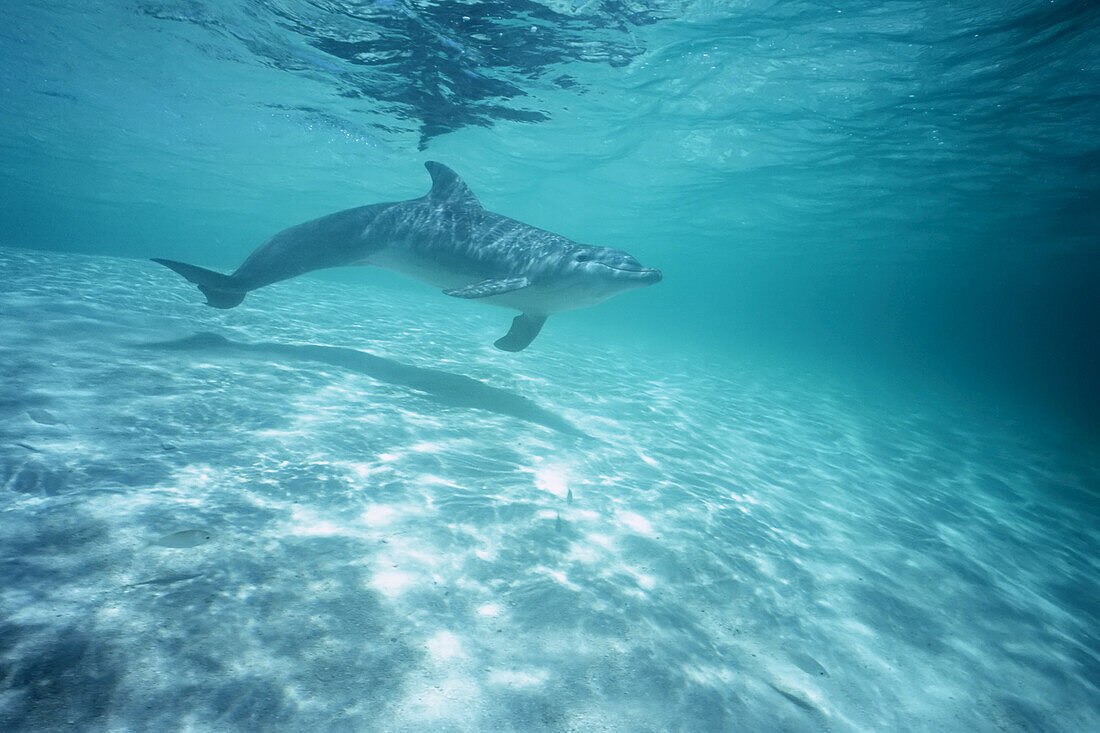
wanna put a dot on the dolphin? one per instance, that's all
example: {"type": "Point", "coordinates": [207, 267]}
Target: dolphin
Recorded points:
{"type": "Point", "coordinates": [448, 240]}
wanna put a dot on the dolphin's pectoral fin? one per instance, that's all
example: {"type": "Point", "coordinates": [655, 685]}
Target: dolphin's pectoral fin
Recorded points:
{"type": "Point", "coordinates": [523, 331]}
{"type": "Point", "coordinates": [485, 288]}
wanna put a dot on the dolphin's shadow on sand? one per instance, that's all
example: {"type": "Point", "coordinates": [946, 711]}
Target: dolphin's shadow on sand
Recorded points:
{"type": "Point", "coordinates": [455, 390]}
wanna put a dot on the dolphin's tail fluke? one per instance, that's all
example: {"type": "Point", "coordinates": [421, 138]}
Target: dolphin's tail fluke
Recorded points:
{"type": "Point", "coordinates": [221, 291]}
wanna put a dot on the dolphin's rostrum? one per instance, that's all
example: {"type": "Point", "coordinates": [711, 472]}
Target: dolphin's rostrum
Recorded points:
{"type": "Point", "coordinates": [446, 239]}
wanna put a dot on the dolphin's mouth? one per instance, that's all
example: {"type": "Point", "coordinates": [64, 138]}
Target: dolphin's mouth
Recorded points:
{"type": "Point", "coordinates": [648, 275]}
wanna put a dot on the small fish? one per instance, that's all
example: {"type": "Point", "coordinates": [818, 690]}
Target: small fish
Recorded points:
{"type": "Point", "coordinates": [185, 538]}
{"type": "Point", "coordinates": [44, 417]}
{"type": "Point", "coordinates": [557, 524]}
{"type": "Point", "coordinates": [569, 497]}
{"type": "Point", "coordinates": [167, 579]}
{"type": "Point", "coordinates": [808, 664]}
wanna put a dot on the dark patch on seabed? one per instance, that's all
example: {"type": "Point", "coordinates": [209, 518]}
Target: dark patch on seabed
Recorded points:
{"type": "Point", "coordinates": [451, 389]}
{"type": "Point", "coordinates": [282, 529]}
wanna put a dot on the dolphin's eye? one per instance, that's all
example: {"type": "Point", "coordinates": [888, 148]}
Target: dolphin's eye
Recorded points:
{"type": "Point", "coordinates": [583, 257]}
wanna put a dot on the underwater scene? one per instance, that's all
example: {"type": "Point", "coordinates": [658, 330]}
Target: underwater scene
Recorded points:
{"type": "Point", "coordinates": [549, 365]}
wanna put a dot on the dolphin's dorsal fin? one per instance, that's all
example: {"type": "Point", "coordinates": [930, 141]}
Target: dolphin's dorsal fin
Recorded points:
{"type": "Point", "coordinates": [448, 188]}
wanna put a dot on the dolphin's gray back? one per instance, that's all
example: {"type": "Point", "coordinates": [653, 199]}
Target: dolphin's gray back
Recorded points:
{"type": "Point", "coordinates": [464, 243]}
{"type": "Point", "coordinates": [445, 238]}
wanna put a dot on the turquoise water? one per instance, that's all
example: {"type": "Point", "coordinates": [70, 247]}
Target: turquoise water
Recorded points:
{"type": "Point", "coordinates": [837, 471]}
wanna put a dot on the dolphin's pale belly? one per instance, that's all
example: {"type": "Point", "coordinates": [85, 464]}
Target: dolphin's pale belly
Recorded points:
{"type": "Point", "coordinates": [543, 301]}
{"type": "Point", "coordinates": [406, 261]}
{"type": "Point", "coordinates": [537, 298]}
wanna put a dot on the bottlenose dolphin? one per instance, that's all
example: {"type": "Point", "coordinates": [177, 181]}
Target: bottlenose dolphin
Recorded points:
{"type": "Point", "coordinates": [448, 240]}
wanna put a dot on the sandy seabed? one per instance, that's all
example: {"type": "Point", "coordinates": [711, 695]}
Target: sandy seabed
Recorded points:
{"type": "Point", "coordinates": [331, 509]}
